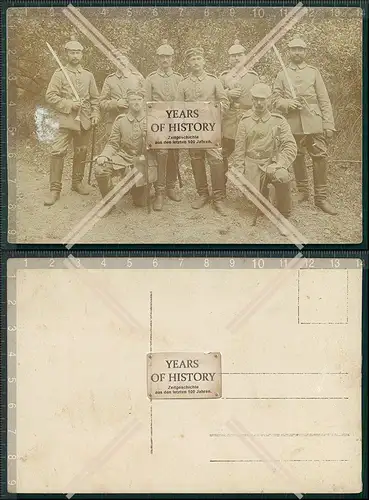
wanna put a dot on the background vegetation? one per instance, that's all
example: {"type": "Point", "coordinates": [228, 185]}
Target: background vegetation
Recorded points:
{"type": "Point", "coordinates": [333, 37]}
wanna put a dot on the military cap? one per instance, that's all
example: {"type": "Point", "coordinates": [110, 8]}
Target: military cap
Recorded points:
{"type": "Point", "coordinates": [261, 90]}
{"type": "Point", "coordinates": [73, 44]}
{"type": "Point", "coordinates": [196, 51]}
{"type": "Point", "coordinates": [236, 48]}
{"type": "Point", "coordinates": [136, 91]}
{"type": "Point", "coordinates": [165, 49]}
{"type": "Point", "coordinates": [297, 42]}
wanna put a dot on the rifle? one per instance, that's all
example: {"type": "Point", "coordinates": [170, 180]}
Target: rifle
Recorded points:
{"type": "Point", "coordinates": [301, 98]}
{"type": "Point", "coordinates": [179, 177]}
{"type": "Point", "coordinates": [67, 77]}
{"type": "Point", "coordinates": [257, 210]}
{"type": "Point", "coordinates": [292, 90]}
{"type": "Point", "coordinates": [147, 186]}
{"type": "Point", "coordinates": [92, 152]}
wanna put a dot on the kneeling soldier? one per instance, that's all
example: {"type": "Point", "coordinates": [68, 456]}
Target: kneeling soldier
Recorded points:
{"type": "Point", "coordinates": [266, 148]}
{"type": "Point", "coordinates": [124, 148]}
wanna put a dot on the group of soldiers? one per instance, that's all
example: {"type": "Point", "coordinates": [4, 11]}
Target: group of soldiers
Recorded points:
{"type": "Point", "coordinates": [265, 130]}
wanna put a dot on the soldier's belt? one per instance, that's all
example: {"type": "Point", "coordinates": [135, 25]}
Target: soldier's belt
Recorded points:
{"type": "Point", "coordinates": [309, 100]}
{"type": "Point", "coordinates": [258, 160]}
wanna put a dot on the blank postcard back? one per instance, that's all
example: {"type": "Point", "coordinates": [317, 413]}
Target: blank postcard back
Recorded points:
{"type": "Point", "coordinates": [284, 417]}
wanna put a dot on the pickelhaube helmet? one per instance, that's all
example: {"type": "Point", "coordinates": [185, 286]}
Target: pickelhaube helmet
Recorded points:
{"type": "Point", "coordinates": [73, 44]}
{"type": "Point", "coordinates": [165, 49]}
{"type": "Point", "coordinates": [236, 48]}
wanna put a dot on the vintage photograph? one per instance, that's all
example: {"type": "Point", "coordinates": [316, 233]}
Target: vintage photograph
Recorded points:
{"type": "Point", "coordinates": [185, 125]}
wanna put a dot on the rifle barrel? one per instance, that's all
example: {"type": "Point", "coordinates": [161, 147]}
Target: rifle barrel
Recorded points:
{"type": "Point", "coordinates": [292, 90]}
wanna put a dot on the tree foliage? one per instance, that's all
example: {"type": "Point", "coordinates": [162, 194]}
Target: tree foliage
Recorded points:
{"type": "Point", "coordinates": [334, 46]}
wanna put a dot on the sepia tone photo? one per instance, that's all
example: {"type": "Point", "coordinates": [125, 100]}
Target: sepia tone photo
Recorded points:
{"type": "Point", "coordinates": [185, 125]}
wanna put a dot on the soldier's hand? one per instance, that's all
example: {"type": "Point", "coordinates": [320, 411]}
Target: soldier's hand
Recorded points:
{"type": "Point", "coordinates": [235, 93]}
{"type": "Point", "coordinates": [100, 160]}
{"type": "Point", "coordinates": [281, 174]}
{"type": "Point", "coordinates": [294, 104]}
{"type": "Point", "coordinates": [122, 103]}
{"type": "Point", "coordinates": [94, 120]}
{"type": "Point", "coordinates": [271, 169]}
{"type": "Point", "coordinates": [329, 133]}
{"type": "Point", "coordinates": [76, 105]}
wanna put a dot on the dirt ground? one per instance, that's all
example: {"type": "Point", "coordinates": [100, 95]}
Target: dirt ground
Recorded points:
{"type": "Point", "coordinates": [178, 222]}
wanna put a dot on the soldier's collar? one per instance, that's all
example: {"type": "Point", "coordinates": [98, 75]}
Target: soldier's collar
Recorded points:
{"type": "Point", "coordinates": [163, 73]}
{"type": "Point", "coordinates": [120, 73]}
{"type": "Point", "coordinates": [132, 118]}
{"type": "Point", "coordinates": [264, 118]}
{"type": "Point", "coordinates": [295, 66]}
{"type": "Point", "coordinates": [198, 77]}
{"type": "Point", "coordinates": [74, 69]}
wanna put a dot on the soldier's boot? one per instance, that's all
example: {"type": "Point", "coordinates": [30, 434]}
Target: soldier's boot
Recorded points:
{"type": "Point", "coordinates": [160, 183]}
{"type": "Point", "coordinates": [105, 185]}
{"type": "Point", "coordinates": [302, 180]}
{"type": "Point", "coordinates": [284, 202]}
{"type": "Point", "coordinates": [56, 172]}
{"type": "Point", "coordinates": [264, 191]}
{"type": "Point", "coordinates": [79, 171]}
{"type": "Point", "coordinates": [159, 201]}
{"type": "Point", "coordinates": [218, 187]}
{"type": "Point", "coordinates": [320, 173]}
{"type": "Point", "coordinates": [139, 195]}
{"type": "Point", "coordinates": [173, 194]}
{"type": "Point", "coordinates": [171, 176]}
{"type": "Point", "coordinates": [199, 173]}
{"type": "Point", "coordinates": [226, 167]}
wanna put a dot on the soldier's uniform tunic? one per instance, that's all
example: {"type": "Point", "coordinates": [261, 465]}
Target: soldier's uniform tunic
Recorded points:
{"type": "Point", "coordinates": [308, 124]}
{"type": "Point", "coordinates": [60, 96]}
{"type": "Point", "coordinates": [115, 89]}
{"type": "Point", "coordinates": [316, 114]}
{"type": "Point", "coordinates": [205, 87]}
{"type": "Point", "coordinates": [162, 86]}
{"type": "Point", "coordinates": [125, 145]}
{"type": "Point", "coordinates": [260, 142]}
{"type": "Point", "coordinates": [237, 107]}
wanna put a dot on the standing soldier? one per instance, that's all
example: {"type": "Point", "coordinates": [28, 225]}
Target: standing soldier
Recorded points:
{"type": "Point", "coordinates": [161, 85]}
{"type": "Point", "coordinates": [202, 86]}
{"type": "Point", "coordinates": [238, 92]}
{"type": "Point", "coordinates": [75, 119]}
{"type": "Point", "coordinates": [311, 119]}
{"type": "Point", "coordinates": [113, 97]}
{"type": "Point", "coordinates": [125, 149]}
{"type": "Point", "coordinates": [265, 149]}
